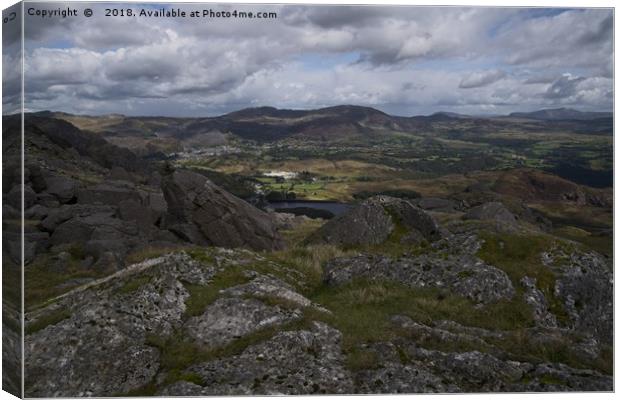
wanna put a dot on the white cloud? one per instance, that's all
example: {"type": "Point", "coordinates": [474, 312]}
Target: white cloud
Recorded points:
{"type": "Point", "coordinates": [409, 60]}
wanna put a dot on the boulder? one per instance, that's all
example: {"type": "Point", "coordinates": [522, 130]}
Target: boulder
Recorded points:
{"type": "Point", "coordinates": [47, 200]}
{"type": "Point", "coordinates": [374, 221]}
{"type": "Point", "coordinates": [59, 215]}
{"type": "Point", "coordinates": [34, 176]}
{"type": "Point", "coordinates": [119, 174]}
{"type": "Point", "coordinates": [108, 193]}
{"type": "Point", "coordinates": [9, 212]}
{"type": "Point", "coordinates": [63, 188]}
{"type": "Point", "coordinates": [220, 218]}
{"type": "Point", "coordinates": [131, 210]}
{"type": "Point", "coordinates": [492, 211]}
{"type": "Point", "coordinates": [14, 197]}
{"type": "Point", "coordinates": [98, 234]}
{"type": "Point", "coordinates": [36, 212]}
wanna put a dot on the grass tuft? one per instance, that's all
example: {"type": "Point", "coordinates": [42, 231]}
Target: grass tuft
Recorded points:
{"type": "Point", "coordinates": [46, 320]}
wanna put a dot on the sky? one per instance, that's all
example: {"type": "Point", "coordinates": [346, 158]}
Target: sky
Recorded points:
{"type": "Point", "coordinates": [401, 60]}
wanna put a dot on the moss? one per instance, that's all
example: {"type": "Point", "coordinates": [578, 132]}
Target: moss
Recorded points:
{"type": "Point", "coordinates": [41, 283]}
{"type": "Point", "coordinates": [46, 320]}
{"type": "Point", "coordinates": [361, 359]}
{"type": "Point", "coordinates": [362, 310]}
{"type": "Point", "coordinates": [179, 353]}
{"type": "Point", "coordinates": [200, 296]}
{"type": "Point", "coordinates": [519, 256]}
{"type": "Point", "coordinates": [550, 380]}
{"type": "Point", "coordinates": [200, 254]}
{"type": "Point", "coordinates": [134, 284]}
{"type": "Point", "coordinates": [148, 390]}
{"type": "Point", "coordinates": [76, 250]}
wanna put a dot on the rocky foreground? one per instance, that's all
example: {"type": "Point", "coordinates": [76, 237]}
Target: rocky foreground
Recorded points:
{"type": "Point", "coordinates": [218, 321]}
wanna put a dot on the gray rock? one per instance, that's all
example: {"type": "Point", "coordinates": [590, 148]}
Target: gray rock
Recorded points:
{"type": "Point", "coordinates": [47, 200]}
{"type": "Point", "coordinates": [189, 233]}
{"type": "Point", "coordinates": [585, 286]}
{"type": "Point", "coordinates": [231, 318]}
{"type": "Point", "coordinates": [98, 234]}
{"type": "Point", "coordinates": [14, 197]}
{"type": "Point", "coordinates": [423, 332]}
{"type": "Point", "coordinates": [374, 220]}
{"type": "Point", "coordinates": [493, 211]}
{"type": "Point", "coordinates": [292, 362]}
{"type": "Point", "coordinates": [64, 213]}
{"type": "Point", "coordinates": [36, 212]}
{"type": "Point", "coordinates": [535, 298]}
{"type": "Point", "coordinates": [8, 212]}
{"type": "Point", "coordinates": [472, 371]}
{"type": "Point", "coordinates": [269, 287]}
{"type": "Point", "coordinates": [393, 378]}
{"type": "Point", "coordinates": [221, 218]}
{"type": "Point", "coordinates": [63, 188]}
{"type": "Point", "coordinates": [100, 347]}
{"type": "Point", "coordinates": [561, 378]}
{"type": "Point", "coordinates": [108, 193]}
{"type": "Point", "coordinates": [464, 275]}
{"type": "Point", "coordinates": [131, 210]}
{"type": "Point", "coordinates": [34, 176]}
{"type": "Point", "coordinates": [35, 243]}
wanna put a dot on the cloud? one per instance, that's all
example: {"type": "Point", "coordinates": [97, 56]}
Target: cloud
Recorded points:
{"type": "Point", "coordinates": [563, 87]}
{"type": "Point", "coordinates": [483, 78]}
{"type": "Point", "coordinates": [403, 60]}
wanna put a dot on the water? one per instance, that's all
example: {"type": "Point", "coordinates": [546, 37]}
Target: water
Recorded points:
{"type": "Point", "coordinates": [334, 207]}
{"type": "Point", "coordinates": [583, 176]}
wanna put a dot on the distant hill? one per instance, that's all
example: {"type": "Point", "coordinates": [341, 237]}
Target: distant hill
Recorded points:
{"type": "Point", "coordinates": [349, 123]}
{"type": "Point", "coordinates": [557, 114]}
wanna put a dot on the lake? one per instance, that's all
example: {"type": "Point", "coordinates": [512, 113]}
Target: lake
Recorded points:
{"type": "Point", "coordinates": [334, 207]}
{"type": "Point", "coordinates": [583, 176]}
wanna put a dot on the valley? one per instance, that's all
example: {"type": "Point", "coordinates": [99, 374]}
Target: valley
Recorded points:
{"type": "Point", "coordinates": [441, 253]}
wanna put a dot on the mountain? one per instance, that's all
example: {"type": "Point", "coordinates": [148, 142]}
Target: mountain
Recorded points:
{"type": "Point", "coordinates": [151, 136]}
{"type": "Point", "coordinates": [557, 114]}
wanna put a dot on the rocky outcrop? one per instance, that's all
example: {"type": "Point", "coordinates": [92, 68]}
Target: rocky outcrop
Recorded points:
{"type": "Point", "coordinates": [375, 220]}
{"type": "Point", "coordinates": [307, 361]}
{"type": "Point", "coordinates": [202, 213]}
{"type": "Point", "coordinates": [259, 335]}
{"type": "Point", "coordinates": [493, 211]}
{"type": "Point", "coordinates": [585, 287]}
{"type": "Point", "coordinates": [467, 276]}
{"type": "Point", "coordinates": [115, 318]}
{"type": "Point", "coordinates": [230, 318]}
{"type": "Point", "coordinates": [63, 188]}
{"type": "Point", "coordinates": [540, 306]}
{"type": "Point", "coordinates": [108, 193]}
